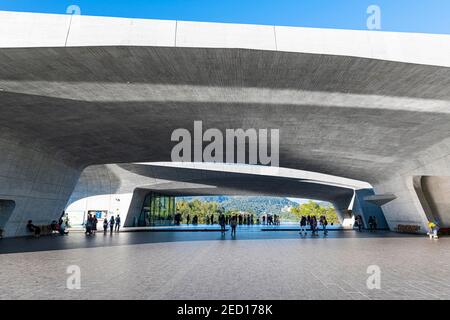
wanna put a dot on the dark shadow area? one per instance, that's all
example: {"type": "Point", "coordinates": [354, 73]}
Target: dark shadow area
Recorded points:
{"type": "Point", "coordinates": [77, 240]}
{"type": "Point", "coordinates": [6, 210]}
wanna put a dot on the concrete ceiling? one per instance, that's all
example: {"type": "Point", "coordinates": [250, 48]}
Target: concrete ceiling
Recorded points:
{"type": "Point", "coordinates": [345, 116]}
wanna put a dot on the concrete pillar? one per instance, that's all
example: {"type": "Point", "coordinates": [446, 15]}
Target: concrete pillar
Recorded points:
{"type": "Point", "coordinates": [39, 185]}
{"type": "Point", "coordinates": [367, 209]}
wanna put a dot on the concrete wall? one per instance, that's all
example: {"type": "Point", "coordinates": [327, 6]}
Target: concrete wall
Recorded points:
{"type": "Point", "coordinates": [408, 208]}
{"type": "Point", "coordinates": [38, 184]}
{"type": "Point", "coordinates": [6, 210]}
{"type": "Point", "coordinates": [437, 192]}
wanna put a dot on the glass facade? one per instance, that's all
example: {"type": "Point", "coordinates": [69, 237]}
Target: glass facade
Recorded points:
{"type": "Point", "coordinates": [157, 210]}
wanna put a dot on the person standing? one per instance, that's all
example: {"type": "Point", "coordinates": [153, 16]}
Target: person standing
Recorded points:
{"type": "Point", "coordinates": [370, 223]}
{"type": "Point", "coordinates": [222, 223]}
{"type": "Point", "coordinates": [111, 224]}
{"type": "Point", "coordinates": [117, 223]}
{"type": "Point", "coordinates": [313, 225]}
{"type": "Point", "coordinates": [233, 224]}
{"type": "Point", "coordinates": [88, 225]}
{"type": "Point", "coordinates": [105, 225]}
{"type": "Point", "coordinates": [188, 219]}
{"type": "Point", "coordinates": [303, 225]}
{"type": "Point", "coordinates": [359, 223]}
{"type": "Point", "coordinates": [94, 223]}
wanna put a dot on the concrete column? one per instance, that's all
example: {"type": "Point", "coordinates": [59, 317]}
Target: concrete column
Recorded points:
{"type": "Point", "coordinates": [366, 209]}
{"type": "Point", "coordinates": [38, 184]}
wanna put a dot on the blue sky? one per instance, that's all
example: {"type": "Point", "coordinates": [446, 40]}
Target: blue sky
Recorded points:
{"type": "Point", "coordinates": [427, 16]}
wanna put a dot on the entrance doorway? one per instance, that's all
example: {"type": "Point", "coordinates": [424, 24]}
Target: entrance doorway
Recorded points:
{"type": "Point", "coordinates": [6, 210]}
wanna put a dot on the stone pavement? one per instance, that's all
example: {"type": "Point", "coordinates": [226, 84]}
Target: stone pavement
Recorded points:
{"type": "Point", "coordinates": [256, 265]}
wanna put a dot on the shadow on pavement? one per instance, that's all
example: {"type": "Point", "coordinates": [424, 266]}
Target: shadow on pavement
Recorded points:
{"type": "Point", "coordinates": [77, 240]}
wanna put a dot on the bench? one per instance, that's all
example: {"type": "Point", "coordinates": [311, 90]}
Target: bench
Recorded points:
{"type": "Point", "coordinates": [45, 230]}
{"type": "Point", "coordinates": [407, 228]}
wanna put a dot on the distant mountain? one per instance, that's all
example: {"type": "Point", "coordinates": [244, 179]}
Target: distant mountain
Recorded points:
{"type": "Point", "coordinates": [256, 204]}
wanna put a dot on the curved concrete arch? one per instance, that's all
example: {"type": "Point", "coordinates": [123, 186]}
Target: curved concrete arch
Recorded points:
{"type": "Point", "coordinates": [99, 185]}
{"type": "Point", "coordinates": [75, 93]}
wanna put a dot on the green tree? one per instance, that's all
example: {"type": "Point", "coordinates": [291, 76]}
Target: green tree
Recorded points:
{"type": "Point", "coordinates": [312, 208]}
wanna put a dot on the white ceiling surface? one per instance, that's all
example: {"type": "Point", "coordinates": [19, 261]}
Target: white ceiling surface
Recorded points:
{"type": "Point", "coordinates": [22, 29]}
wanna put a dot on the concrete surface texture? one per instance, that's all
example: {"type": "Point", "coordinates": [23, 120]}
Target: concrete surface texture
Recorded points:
{"type": "Point", "coordinates": [78, 94]}
{"type": "Point", "coordinates": [436, 191]}
{"type": "Point", "coordinates": [276, 265]}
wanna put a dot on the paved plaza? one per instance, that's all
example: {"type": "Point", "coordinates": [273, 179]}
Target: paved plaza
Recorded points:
{"type": "Point", "coordinates": [206, 265]}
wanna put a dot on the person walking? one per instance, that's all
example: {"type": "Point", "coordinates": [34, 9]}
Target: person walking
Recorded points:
{"type": "Point", "coordinates": [188, 219]}
{"type": "Point", "coordinates": [111, 224]}
{"type": "Point", "coordinates": [370, 222]}
{"type": "Point", "coordinates": [359, 223]}
{"type": "Point", "coordinates": [117, 223]}
{"type": "Point", "coordinates": [94, 224]}
{"type": "Point", "coordinates": [105, 225]}
{"type": "Point", "coordinates": [222, 223]}
{"type": "Point", "coordinates": [88, 225]}
{"type": "Point", "coordinates": [233, 224]}
{"type": "Point", "coordinates": [324, 223]}
{"type": "Point", "coordinates": [314, 225]}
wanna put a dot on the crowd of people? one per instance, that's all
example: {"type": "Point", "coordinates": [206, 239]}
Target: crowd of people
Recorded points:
{"type": "Point", "coordinates": [59, 227]}
{"type": "Point", "coordinates": [91, 223]}
{"type": "Point", "coordinates": [241, 219]}
{"type": "Point", "coordinates": [309, 222]}
{"type": "Point", "coordinates": [211, 219]}
{"type": "Point", "coordinates": [372, 223]}
{"type": "Point", "coordinates": [271, 220]}
{"type": "Point", "coordinates": [313, 224]}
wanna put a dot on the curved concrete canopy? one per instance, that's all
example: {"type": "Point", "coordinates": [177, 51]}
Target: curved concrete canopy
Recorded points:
{"type": "Point", "coordinates": [140, 179]}
{"type": "Point", "coordinates": [341, 109]}
{"type": "Point", "coordinates": [357, 123]}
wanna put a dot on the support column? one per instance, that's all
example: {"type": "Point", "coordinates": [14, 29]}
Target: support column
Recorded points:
{"type": "Point", "coordinates": [38, 184]}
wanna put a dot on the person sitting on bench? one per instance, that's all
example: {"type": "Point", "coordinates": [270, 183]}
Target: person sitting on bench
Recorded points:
{"type": "Point", "coordinates": [32, 228]}
{"type": "Point", "coordinates": [54, 226]}
{"type": "Point", "coordinates": [62, 227]}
